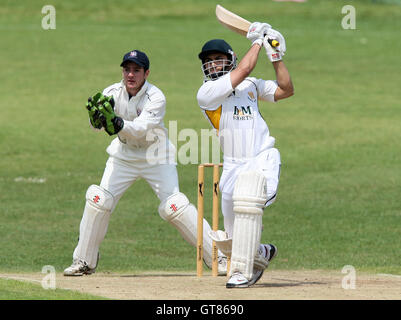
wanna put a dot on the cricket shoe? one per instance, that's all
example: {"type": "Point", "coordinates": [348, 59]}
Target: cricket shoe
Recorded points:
{"type": "Point", "coordinates": [237, 280]}
{"type": "Point", "coordinates": [222, 266]}
{"type": "Point", "coordinates": [266, 255]}
{"type": "Point", "coordinates": [78, 268]}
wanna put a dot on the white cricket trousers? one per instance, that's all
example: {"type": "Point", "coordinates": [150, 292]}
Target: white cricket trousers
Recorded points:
{"type": "Point", "coordinates": [119, 175]}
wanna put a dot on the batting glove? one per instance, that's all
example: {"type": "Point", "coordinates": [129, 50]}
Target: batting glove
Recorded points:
{"type": "Point", "coordinates": [256, 32]}
{"type": "Point", "coordinates": [276, 53]}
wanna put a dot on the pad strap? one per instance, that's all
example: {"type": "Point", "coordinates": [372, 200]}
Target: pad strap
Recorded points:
{"type": "Point", "coordinates": [250, 193]}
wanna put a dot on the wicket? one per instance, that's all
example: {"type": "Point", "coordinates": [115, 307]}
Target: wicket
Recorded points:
{"type": "Point", "coordinates": [215, 216]}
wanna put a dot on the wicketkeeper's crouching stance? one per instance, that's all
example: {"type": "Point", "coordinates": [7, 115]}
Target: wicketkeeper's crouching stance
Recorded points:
{"type": "Point", "coordinates": [251, 168]}
{"type": "Point", "coordinates": [133, 109]}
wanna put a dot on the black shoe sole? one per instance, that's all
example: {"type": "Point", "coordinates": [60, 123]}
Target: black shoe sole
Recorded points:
{"type": "Point", "coordinates": [241, 286]}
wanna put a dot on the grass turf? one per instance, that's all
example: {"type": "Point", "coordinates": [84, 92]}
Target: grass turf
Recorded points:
{"type": "Point", "coordinates": [338, 200]}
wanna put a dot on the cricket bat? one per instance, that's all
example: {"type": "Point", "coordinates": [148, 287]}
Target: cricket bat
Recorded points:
{"type": "Point", "coordinates": [236, 23]}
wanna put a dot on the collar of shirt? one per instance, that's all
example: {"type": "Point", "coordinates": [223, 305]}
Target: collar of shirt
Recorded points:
{"type": "Point", "coordinates": [140, 92]}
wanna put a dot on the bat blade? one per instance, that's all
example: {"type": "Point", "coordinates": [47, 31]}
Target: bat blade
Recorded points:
{"type": "Point", "coordinates": [236, 23]}
{"type": "Point", "coordinates": [232, 21]}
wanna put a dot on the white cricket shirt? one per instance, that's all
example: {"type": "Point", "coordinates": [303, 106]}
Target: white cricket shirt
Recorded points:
{"type": "Point", "coordinates": [234, 113]}
{"type": "Point", "coordinates": [143, 124]}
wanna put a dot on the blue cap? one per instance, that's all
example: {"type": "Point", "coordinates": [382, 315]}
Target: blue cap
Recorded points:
{"type": "Point", "coordinates": [139, 57]}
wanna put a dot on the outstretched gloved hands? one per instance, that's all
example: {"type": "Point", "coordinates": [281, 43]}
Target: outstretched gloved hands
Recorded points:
{"type": "Point", "coordinates": [102, 115]}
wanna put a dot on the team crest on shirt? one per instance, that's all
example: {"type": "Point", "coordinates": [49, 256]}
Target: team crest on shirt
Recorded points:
{"type": "Point", "coordinates": [251, 96]}
{"type": "Point", "coordinates": [242, 113]}
{"type": "Point", "coordinates": [138, 112]}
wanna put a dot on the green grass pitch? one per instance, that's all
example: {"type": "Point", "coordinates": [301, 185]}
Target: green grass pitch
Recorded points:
{"type": "Point", "coordinates": [339, 195]}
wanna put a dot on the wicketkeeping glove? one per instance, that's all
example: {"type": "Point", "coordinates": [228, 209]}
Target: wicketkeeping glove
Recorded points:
{"type": "Point", "coordinates": [109, 120]}
{"type": "Point", "coordinates": [93, 112]}
{"type": "Point", "coordinates": [277, 53]}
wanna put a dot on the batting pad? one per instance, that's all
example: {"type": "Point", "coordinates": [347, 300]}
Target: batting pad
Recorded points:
{"type": "Point", "coordinates": [94, 223]}
{"type": "Point", "coordinates": [183, 215]}
{"type": "Point", "coordinates": [249, 198]}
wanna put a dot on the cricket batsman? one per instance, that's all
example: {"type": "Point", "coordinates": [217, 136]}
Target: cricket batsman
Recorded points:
{"type": "Point", "coordinates": [251, 165]}
{"type": "Point", "coordinates": [133, 110]}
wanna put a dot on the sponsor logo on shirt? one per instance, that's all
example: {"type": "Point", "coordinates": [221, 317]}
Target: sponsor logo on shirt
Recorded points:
{"type": "Point", "coordinates": [242, 113]}
{"type": "Point", "coordinates": [251, 96]}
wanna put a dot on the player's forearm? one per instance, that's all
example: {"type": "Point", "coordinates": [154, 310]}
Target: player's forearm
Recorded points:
{"type": "Point", "coordinates": [138, 127]}
{"type": "Point", "coordinates": [246, 65]}
{"type": "Point", "coordinates": [283, 78]}
{"type": "Point", "coordinates": [250, 59]}
{"type": "Point", "coordinates": [151, 117]}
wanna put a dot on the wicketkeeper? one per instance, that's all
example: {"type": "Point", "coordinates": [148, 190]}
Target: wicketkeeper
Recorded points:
{"type": "Point", "coordinates": [251, 168]}
{"type": "Point", "coordinates": [133, 110]}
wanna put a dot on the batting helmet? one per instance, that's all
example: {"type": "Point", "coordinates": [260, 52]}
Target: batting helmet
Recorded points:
{"type": "Point", "coordinates": [215, 46]}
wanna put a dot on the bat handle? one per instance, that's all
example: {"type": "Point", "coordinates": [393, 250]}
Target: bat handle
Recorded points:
{"type": "Point", "coordinates": [273, 43]}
